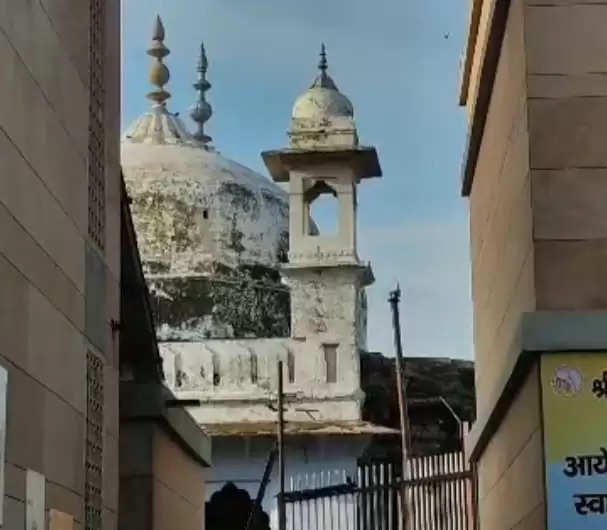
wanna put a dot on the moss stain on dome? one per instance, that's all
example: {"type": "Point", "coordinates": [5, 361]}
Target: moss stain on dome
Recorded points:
{"type": "Point", "coordinates": [211, 233]}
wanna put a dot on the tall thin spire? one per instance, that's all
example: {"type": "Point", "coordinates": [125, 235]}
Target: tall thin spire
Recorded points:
{"type": "Point", "coordinates": [323, 64]}
{"type": "Point", "coordinates": [201, 111]}
{"type": "Point", "coordinates": [323, 80]}
{"type": "Point", "coordinates": [159, 73]}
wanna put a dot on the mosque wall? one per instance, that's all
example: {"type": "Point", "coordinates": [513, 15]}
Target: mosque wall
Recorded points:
{"type": "Point", "coordinates": [234, 379]}
{"type": "Point", "coordinates": [59, 258]}
{"type": "Point", "coordinates": [236, 304]}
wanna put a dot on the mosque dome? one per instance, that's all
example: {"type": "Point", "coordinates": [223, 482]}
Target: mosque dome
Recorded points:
{"type": "Point", "coordinates": [211, 232]}
{"type": "Point", "coordinates": [197, 210]}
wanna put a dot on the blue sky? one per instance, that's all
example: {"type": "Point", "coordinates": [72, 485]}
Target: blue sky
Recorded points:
{"type": "Point", "coordinates": [391, 58]}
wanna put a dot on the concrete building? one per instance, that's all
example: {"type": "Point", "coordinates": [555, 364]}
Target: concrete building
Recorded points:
{"type": "Point", "coordinates": [218, 244]}
{"type": "Point", "coordinates": [75, 320]}
{"type": "Point", "coordinates": [163, 452]}
{"type": "Point", "coordinates": [59, 263]}
{"type": "Point", "coordinates": [535, 174]}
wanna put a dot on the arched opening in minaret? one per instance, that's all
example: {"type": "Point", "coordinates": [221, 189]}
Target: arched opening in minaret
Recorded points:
{"type": "Point", "coordinates": [323, 207]}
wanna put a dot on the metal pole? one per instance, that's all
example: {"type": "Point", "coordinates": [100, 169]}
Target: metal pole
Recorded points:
{"type": "Point", "coordinates": [262, 489]}
{"type": "Point", "coordinates": [281, 453]}
{"type": "Point", "coordinates": [394, 300]}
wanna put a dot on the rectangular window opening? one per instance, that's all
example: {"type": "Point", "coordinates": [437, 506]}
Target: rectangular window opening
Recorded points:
{"type": "Point", "coordinates": [291, 366]}
{"type": "Point", "coordinates": [216, 374]}
{"type": "Point", "coordinates": [331, 362]}
{"type": "Point", "coordinates": [253, 368]}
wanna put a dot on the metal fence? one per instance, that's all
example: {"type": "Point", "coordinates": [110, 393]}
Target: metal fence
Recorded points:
{"type": "Point", "coordinates": [437, 492]}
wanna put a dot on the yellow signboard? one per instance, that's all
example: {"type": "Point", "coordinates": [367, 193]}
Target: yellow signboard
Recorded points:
{"type": "Point", "coordinates": [574, 397]}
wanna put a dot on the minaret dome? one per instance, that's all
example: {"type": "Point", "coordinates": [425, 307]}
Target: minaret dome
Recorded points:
{"type": "Point", "coordinates": [322, 116]}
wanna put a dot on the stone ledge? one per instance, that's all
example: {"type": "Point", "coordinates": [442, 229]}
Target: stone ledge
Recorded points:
{"type": "Point", "coordinates": [542, 332]}
{"type": "Point", "coordinates": [362, 160]}
{"type": "Point", "coordinates": [147, 402]}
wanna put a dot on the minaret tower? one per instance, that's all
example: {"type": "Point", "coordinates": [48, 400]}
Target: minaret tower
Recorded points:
{"type": "Point", "coordinates": [201, 111]}
{"type": "Point", "coordinates": [326, 276]}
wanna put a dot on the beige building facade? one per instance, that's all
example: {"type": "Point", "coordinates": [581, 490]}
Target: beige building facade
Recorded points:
{"type": "Point", "coordinates": [535, 89]}
{"type": "Point", "coordinates": [163, 452]}
{"type": "Point", "coordinates": [59, 262]}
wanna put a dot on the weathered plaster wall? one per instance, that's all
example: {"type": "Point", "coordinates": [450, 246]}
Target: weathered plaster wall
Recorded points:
{"type": "Point", "coordinates": [235, 379]}
{"type": "Point", "coordinates": [211, 234]}
{"type": "Point", "coordinates": [194, 209]}
{"type": "Point", "coordinates": [232, 303]}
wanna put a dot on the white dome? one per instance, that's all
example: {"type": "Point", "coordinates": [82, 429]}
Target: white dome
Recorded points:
{"type": "Point", "coordinates": [194, 209]}
{"type": "Point", "coordinates": [322, 116]}
{"type": "Point", "coordinates": [319, 102]}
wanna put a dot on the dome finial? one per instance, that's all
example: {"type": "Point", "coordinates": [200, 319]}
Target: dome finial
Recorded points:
{"type": "Point", "coordinates": [322, 65]}
{"type": "Point", "coordinates": [323, 80]}
{"type": "Point", "coordinates": [201, 111]}
{"type": "Point", "coordinates": [159, 73]}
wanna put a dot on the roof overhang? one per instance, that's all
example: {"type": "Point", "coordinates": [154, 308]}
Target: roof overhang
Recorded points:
{"type": "Point", "coordinates": [363, 271]}
{"type": "Point", "coordinates": [362, 160]}
{"type": "Point", "coordinates": [298, 428]}
{"type": "Point", "coordinates": [487, 60]}
{"type": "Point", "coordinates": [473, 30]}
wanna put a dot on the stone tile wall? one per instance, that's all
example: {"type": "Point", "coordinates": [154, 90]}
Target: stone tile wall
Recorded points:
{"type": "Point", "coordinates": [44, 333]}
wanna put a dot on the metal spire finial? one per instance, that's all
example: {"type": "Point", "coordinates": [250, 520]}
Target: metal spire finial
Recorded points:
{"type": "Point", "coordinates": [203, 63]}
{"type": "Point", "coordinates": [159, 73]}
{"type": "Point", "coordinates": [323, 80]}
{"type": "Point", "coordinates": [201, 111]}
{"type": "Point", "coordinates": [323, 64]}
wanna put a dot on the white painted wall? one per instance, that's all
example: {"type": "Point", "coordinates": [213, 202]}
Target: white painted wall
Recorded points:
{"type": "Point", "coordinates": [242, 461]}
{"type": "Point", "coordinates": [237, 395]}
